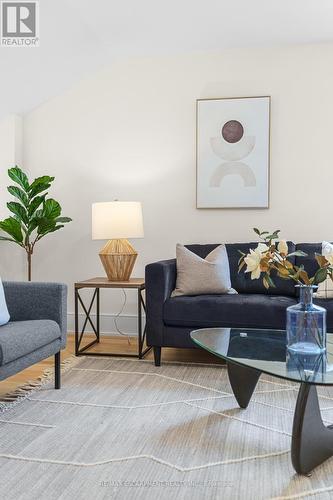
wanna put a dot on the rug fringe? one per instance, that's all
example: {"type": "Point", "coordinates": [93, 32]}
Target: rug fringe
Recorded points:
{"type": "Point", "coordinates": [11, 398]}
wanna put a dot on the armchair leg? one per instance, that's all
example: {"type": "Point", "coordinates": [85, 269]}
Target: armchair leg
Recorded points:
{"type": "Point", "coordinates": [157, 355]}
{"type": "Point", "coordinates": [57, 370]}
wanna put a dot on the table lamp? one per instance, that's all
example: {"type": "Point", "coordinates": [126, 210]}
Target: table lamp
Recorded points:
{"type": "Point", "coordinates": [116, 221]}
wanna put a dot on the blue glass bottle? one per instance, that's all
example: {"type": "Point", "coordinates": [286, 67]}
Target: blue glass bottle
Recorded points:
{"type": "Point", "coordinates": [306, 324]}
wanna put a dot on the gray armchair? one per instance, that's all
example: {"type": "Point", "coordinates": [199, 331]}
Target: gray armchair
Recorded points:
{"type": "Point", "coordinates": [37, 328]}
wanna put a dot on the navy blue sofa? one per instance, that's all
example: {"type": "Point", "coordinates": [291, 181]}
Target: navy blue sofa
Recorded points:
{"type": "Point", "coordinates": [171, 319]}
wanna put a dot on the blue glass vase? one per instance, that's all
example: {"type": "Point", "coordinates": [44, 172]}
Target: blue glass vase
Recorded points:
{"type": "Point", "coordinates": [306, 324]}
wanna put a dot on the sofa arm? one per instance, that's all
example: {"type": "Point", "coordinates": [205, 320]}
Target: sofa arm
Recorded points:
{"type": "Point", "coordinates": [32, 300]}
{"type": "Point", "coordinates": [160, 281]}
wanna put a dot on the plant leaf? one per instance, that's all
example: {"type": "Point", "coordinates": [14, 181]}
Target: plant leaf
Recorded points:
{"type": "Point", "coordinates": [18, 210]}
{"type": "Point", "coordinates": [19, 194]}
{"type": "Point", "coordinates": [265, 282]}
{"type": "Point", "coordinates": [3, 238]}
{"type": "Point", "coordinates": [320, 276]}
{"type": "Point", "coordinates": [270, 281]}
{"type": "Point", "coordinates": [241, 265]}
{"type": "Point", "coordinates": [63, 219]}
{"type": "Point", "coordinates": [38, 188]}
{"type": "Point", "coordinates": [298, 253]}
{"type": "Point", "coordinates": [256, 230]}
{"type": "Point", "coordinates": [288, 264]}
{"type": "Point", "coordinates": [44, 225]}
{"type": "Point", "coordinates": [44, 179]}
{"type": "Point", "coordinates": [303, 275]}
{"type": "Point", "coordinates": [18, 176]}
{"type": "Point", "coordinates": [50, 230]}
{"type": "Point", "coordinates": [35, 203]}
{"type": "Point", "coordinates": [322, 262]}
{"type": "Point", "coordinates": [51, 209]}
{"type": "Point", "coordinates": [12, 227]}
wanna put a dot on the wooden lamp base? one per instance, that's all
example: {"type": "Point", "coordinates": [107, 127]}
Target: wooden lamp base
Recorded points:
{"type": "Point", "coordinates": [118, 258]}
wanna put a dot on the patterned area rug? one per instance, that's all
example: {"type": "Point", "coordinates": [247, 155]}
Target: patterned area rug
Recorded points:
{"type": "Point", "coordinates": [123, 428]}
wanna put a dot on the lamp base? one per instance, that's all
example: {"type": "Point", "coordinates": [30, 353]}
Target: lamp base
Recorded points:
{"type": "Point", "coordinates": [118, 258]}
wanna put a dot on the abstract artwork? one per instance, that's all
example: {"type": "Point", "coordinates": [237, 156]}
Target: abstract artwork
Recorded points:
{"type": "Point", "coordinates": [233, 152]}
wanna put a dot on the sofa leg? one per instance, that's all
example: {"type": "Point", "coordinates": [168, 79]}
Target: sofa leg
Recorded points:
{"type": "Point", "coordinates": [57, 370]}
{"type": "Point", "coordinates": [157, 355]}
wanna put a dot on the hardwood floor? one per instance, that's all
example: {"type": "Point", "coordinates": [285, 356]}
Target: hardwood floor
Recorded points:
{"type": "Point", "coordinates": [115, 344]}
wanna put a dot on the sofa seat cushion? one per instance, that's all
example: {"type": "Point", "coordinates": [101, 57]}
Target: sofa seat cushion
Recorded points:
{"type": "Point", "coordinates": [18, 338]}
{"type": "Point", "coordinates": [242, 310]}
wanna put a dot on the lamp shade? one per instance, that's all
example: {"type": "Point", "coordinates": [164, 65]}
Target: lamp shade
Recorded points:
{"type": "Point", "coordinates": [117, 220]}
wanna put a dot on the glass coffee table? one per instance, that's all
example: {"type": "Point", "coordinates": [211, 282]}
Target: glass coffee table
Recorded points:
{"type": "Point", "coordinates": [251, 352]}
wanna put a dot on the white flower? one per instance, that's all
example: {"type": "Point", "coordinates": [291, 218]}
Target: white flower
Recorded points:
{"type": "Point", "coordinates": [252, 260]}
{"type": "Point", "coordinates": [262, 248]}
{"type": "Point", "coordinates": [327, 251]}
{"type": "Point", "coordinates": [283, 247]}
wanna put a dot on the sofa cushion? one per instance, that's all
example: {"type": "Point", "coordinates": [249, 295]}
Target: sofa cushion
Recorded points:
{"type": "Point", "coordinates": [242, 281]}
{"type": "Point", "coordinates": [245, 310]}
{"type": "Point", "coordinates": [4, 314]}
{"type": "Point", "coordinates": [19, 338]}
{"type": "Point", "coordinates": [197, 276]}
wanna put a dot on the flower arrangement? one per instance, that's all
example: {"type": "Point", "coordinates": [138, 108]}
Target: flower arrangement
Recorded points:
{"type": "Point", "coordinates": [272, 254]}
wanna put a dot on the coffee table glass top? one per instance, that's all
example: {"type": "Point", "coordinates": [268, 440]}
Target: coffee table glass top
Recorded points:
{"type": "Point", "coordinates": [266, 351]}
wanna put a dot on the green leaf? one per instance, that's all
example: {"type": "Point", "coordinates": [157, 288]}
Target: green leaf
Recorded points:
{"type": "Point", "coordinates": [34, 221]}
{"type": "Point", "coordinates": [50, 230]}
{"type": "Point", "coordinates": [39, 185]}
{"type": "Point", "coordinates": [3, 238]}
{"type": "Point", "coordinates": [298, 253]}
{"type": "Point", "coordinates": [12, 227]}
{"type": "Point", "coordinates": [63, 219]}
{"type": "Point", "coordinates": [35, 203]}
{"type": "Point", "coordinates": [241, 265]}
{"type": "Point", "coordinates": [19, 194]}
{"type": "Point", "coordinates": [270, 281]}
{"type": "Point", "coordinates": [274, 235]}
{"type": "Point", "coordinates": [256, 230]}
{"type": "Point", "coordinates": [44, 225]}
{"type": "Point", "coordinates": [39, 188]}
{"type": "Point", "coordinates": [51, 209]}
{"type": "Point", "coordinates": [18, 176]}
{"type": "Point", "coordinates": [320, 276]}
{"type": "Point", "coordinates": [19, 211]}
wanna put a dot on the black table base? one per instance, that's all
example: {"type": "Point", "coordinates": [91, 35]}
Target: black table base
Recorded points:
{"type": "Point", "coordinates": [312, 441]}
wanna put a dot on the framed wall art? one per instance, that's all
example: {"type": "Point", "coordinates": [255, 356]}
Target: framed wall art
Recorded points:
{"type": "Point", "coordinates": [233, 152]}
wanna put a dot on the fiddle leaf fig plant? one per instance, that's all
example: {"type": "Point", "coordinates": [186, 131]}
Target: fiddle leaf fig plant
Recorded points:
{"type": "Point", "coordinates": [33, 215]}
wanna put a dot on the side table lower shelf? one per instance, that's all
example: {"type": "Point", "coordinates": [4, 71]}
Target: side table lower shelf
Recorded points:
{"type": "Point", "coordinates": [96, 284]}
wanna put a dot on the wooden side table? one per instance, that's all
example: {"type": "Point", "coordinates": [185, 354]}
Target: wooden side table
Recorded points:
{"type": "Point", "coordinates": [98, 283]}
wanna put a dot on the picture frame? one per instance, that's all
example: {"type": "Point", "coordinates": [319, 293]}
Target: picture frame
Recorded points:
{"type": "Point", "coordinates": [233, 152]}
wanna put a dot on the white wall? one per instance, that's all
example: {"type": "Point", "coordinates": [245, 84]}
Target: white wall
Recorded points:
{"type": "Point", "coordinates": [129, 133]}
{"type": "Point", "coordinates": [12, 257]}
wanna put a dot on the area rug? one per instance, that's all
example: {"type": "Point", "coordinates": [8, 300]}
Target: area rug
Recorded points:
{"type": "Point", "coordinates": [124, 429]}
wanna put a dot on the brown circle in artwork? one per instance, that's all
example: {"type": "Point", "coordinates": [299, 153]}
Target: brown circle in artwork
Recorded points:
{"type": "Point", "coordinates": [232, 131]}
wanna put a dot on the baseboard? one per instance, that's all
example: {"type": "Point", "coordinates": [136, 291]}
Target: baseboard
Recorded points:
{"type": "Point", "coordinates": [127, 323]}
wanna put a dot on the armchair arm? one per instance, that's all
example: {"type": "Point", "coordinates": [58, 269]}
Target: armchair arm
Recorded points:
{"type": "Point", "coordinates": [32, 300]}
{"type": "Point", "coordinates": [160, 281]}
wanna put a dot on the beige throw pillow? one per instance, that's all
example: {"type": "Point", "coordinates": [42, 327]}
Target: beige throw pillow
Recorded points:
{"type": "Point", "coordinates": [196, 276]}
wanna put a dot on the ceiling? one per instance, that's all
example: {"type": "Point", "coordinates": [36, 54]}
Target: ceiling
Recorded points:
{"type": "Point", "coordinates": [77, 37]}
